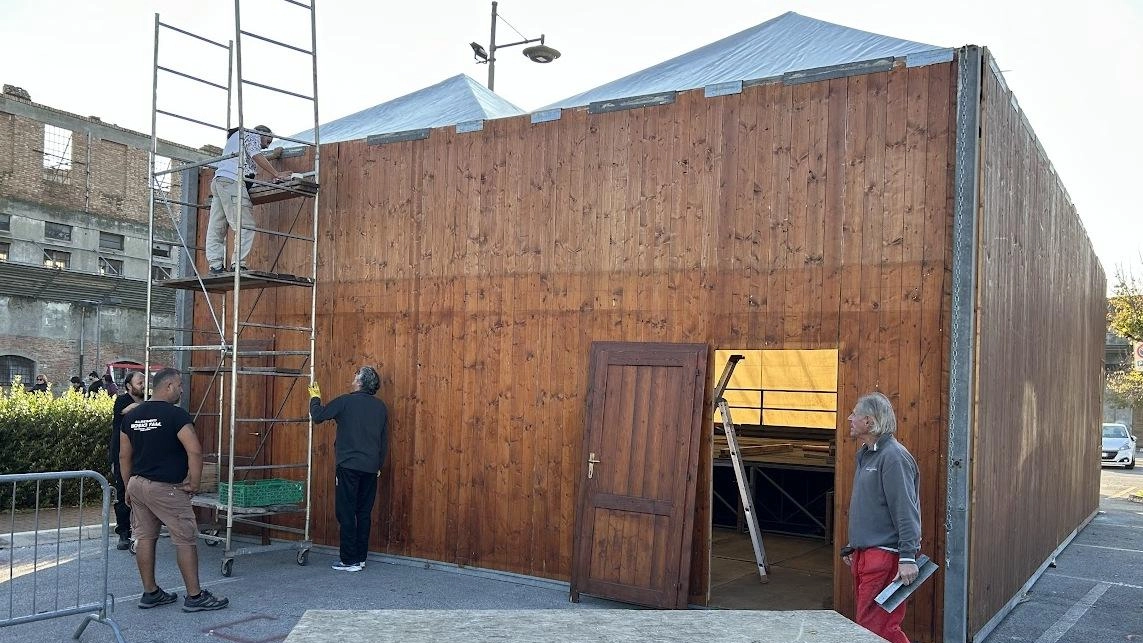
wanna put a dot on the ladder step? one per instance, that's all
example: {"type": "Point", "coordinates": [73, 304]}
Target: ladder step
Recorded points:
{"type": "Point", "coordinates": [305, 329]}
{"type": "Point", "coordinates": [269, 371]}
{"type": "Point", "coordinates": [189, 119]}
{"type": "Point", "coordinates": [273, 420]}
{"type": "Point", "coordinates": [271, 353]}
{"type": "Point", "coordinates": [275, 42]}
{"type": "Point", "coordinates": [194, 35]}
{"type": "Point", "coordinates": [263, 467]}
{"type": "Point", "coordinates": [279, 233]}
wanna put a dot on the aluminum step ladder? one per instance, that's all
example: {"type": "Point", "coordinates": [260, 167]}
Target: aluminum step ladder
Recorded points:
{"type": "Point", "coordinates": [739, 470]}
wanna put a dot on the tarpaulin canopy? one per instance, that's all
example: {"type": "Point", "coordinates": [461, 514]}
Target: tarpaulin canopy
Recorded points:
{"type": "Point", "coordinates": [455, 100]}
{"type": "Point", "coordinates": [790, 42]}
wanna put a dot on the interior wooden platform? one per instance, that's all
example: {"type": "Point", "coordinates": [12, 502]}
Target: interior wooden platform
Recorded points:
{"type": "Point", "coordinates": [810, 452]}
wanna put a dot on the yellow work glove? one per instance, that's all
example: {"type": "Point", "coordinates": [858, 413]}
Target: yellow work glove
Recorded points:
{"type": "Point", "coordinates": [315, 390]}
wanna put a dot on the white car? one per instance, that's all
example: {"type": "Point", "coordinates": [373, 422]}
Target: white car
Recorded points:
{"type": "Point", "coordinates": [1118, 446]}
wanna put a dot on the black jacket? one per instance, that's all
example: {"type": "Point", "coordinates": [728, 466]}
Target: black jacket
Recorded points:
{"type": "Point", "coordinates": [362, 429]}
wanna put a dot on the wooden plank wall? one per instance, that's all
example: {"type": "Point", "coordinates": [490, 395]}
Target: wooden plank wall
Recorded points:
{"type": "Point", "coordinates": [475, 269]}
{"type": "Point", "coordinates": [1035, 468]}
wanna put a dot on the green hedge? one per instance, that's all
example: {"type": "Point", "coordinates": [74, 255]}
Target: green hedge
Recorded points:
{"type": "Point", "coordinates": [41, 432]}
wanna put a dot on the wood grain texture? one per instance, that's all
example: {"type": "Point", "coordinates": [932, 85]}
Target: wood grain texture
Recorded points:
{"type": "Point", "coordinates": [474, 270]}
{"type": "Point", "coordinates": [1039, 361]}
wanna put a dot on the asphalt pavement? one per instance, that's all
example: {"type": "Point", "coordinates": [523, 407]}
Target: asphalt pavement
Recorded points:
{"type": "Point", "coordinates": [1094, 594]}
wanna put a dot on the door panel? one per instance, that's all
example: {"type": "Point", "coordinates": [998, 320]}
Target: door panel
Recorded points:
{"type": "Point", "coordinates": [635, 512]}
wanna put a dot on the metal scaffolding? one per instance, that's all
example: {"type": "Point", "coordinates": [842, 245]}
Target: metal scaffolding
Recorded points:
{"type": "Point", "coordinates": [218, 300]}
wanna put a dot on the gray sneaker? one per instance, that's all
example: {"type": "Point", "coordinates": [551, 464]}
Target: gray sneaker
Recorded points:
{"type": "Point", "coordinates": [156, 598]}
{"type": "Point", "coordinates": [203, 602]}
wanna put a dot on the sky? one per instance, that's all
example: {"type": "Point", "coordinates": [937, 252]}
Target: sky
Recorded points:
{"type": "Point", "coordinates": [1075, 67]}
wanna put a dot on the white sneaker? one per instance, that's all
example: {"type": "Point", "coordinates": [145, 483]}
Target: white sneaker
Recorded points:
{"type": "Point", "coordinates": [347, 567]}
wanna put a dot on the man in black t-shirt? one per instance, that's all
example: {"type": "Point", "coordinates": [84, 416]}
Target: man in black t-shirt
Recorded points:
{"type": "Point", "coordinates": [161, 459]}
{"type": "Point", "coordinates": [132, 396]}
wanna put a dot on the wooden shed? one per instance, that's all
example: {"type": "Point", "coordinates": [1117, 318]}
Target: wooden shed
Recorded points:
{"type": "Point", "coordinates": [903, 217]}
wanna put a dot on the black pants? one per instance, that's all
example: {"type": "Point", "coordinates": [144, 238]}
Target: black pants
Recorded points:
{"type": "Point", "coordinates": [356, 491]}
{"type": "Point", "coordinates": [122, 511]}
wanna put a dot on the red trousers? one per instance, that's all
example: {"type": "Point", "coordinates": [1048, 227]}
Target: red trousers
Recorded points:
{"type": "Point", "coordinates": [872, 570]}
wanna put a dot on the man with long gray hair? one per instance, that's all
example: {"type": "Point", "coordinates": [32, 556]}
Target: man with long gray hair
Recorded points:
{"type": "Point", "coordinates": [884, 515]}
{"type": "Point", "coordinates": [361, 444]}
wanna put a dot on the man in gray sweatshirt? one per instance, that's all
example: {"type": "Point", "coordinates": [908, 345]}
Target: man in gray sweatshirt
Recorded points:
{"type": "Point", "coordinates": [884, 515]}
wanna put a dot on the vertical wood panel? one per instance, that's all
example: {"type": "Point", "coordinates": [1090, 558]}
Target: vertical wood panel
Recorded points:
{"type": "Point", "coordinates": [1037, 271]}
{"type": "Point", "coordinates": [475, 269]}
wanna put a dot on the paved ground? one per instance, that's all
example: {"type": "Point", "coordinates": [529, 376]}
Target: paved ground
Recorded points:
{"type": "Point", "coordinates": [1095, 592]}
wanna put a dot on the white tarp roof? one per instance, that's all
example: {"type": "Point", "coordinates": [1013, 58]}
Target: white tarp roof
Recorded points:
{"type": "Point", "coordinates": [455, 100]}
{"type": "Point", "coordinates": [790, 42]}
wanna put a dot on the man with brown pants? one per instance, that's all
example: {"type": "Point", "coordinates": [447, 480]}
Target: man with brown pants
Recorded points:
{"type": "Point", "coordinates": [161, 460]}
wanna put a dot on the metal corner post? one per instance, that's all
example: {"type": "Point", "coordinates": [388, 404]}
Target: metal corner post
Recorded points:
{"type": "Point", "coordinates": [962, 350]}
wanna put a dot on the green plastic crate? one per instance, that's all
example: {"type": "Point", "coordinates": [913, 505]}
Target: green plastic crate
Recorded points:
{"type": "Point", "coordinates": [260, 493]}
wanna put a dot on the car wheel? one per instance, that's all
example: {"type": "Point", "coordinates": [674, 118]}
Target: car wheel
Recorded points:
{"type": "Point", "coordinates": [1130, 465]}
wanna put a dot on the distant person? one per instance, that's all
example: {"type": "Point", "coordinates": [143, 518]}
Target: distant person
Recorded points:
{"type": "Point", "coordinates": [884, 515]}
{"type": "Point", "coordinates": [42, 385]}
{"type": "Point", "coordinates": [228, 196]}
{"type": "Point", "coordinates": [161, 459]}
{"type": "Point", "coordinates": [361, 444]}
{"type": "Point", "coordinates": [109, 385]}
{"type": "Point", "coordinates": [124, 404]}
{"type": "Point", "coordinates": [77, 384]}
{"type": "Point", "coordinates": [94, 382]}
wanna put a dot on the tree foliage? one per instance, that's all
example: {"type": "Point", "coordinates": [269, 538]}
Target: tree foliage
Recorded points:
{"type": "Point", "coordinates": [1125, 308]}
{"type": "Point", "coordinates": [1125, 318]}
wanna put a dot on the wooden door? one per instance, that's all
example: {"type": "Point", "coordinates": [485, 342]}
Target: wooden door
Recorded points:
{"type": "Point", "coordinates": [638, 470]}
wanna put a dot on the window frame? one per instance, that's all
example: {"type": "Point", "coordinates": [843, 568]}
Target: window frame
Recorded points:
{"type": "Point", "coordinates": [50, 262]}
{"type": "Point", "coordinates": [6, 369]}
{"type": "Point", "coordinates": [108, 264]}
{"type": "Point", "coordinates": [48, 237]}
{"type": "Point", "coordinates": [120, 247]}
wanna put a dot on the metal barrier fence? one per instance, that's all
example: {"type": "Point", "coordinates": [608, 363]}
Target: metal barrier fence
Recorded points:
{"type": "Point", "coordinates": [47, 575]}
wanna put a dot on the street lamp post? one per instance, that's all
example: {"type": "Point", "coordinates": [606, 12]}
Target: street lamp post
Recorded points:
{"type": "Point", "coordinates": [540, 53]}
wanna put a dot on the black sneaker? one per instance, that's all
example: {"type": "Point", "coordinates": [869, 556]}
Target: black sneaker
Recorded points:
{"type": "Point", "coordinates": [240, 268]}
{"type": "Point", "coordinates": [216, 270]}
{"type": "Point", "coordinates": [203, 602]}
{"type": "Point", "coordinates": [157, 598]}
{"type": "Point", "coordinates": [124, 543]}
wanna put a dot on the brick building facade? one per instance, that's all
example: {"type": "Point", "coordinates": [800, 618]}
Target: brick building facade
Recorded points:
{"type": "Point", "coordinates": [75, 251]}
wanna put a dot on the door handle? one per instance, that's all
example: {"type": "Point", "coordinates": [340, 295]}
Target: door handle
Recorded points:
{"type": "Point", "coordinates": [591, 462]}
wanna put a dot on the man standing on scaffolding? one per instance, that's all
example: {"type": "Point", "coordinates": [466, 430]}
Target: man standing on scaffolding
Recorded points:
{"type": "Point", "coordinates": [228, 196]}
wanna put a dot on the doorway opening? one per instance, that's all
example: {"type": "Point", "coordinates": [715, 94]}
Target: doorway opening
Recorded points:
{"type": "Point", "coordinates": [784, 406]}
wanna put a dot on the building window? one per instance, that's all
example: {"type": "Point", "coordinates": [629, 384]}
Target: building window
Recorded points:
{"type": "Point", "coordinates": [110, 267]}
{"type": "Point", "coordinates": [5, 223]}
{"type": "Point", "coordinates": [57, 153]}
{"type": "Point", "coordinates": [13, 366]}
{"type": "Point", "coordinates": [4, 249]}
{"type": "Point", "coordinates": [161, 250]}
{"type": "Point", "coordinates": [57, 231]}
{"type": "Point", "coordinates": [57, 259]}
{"type": "Point", "coordinates": [160, 273]}
{"type": "Point", "coordinates": [110, 241]}
{"type": "Point", "coordinates": [162, 181]}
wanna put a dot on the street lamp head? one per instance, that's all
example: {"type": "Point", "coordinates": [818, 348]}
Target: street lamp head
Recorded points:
{"type": "Point", "coordinates": [541, 53]}
{"type": "Point", "coordinates": [478, 52]}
